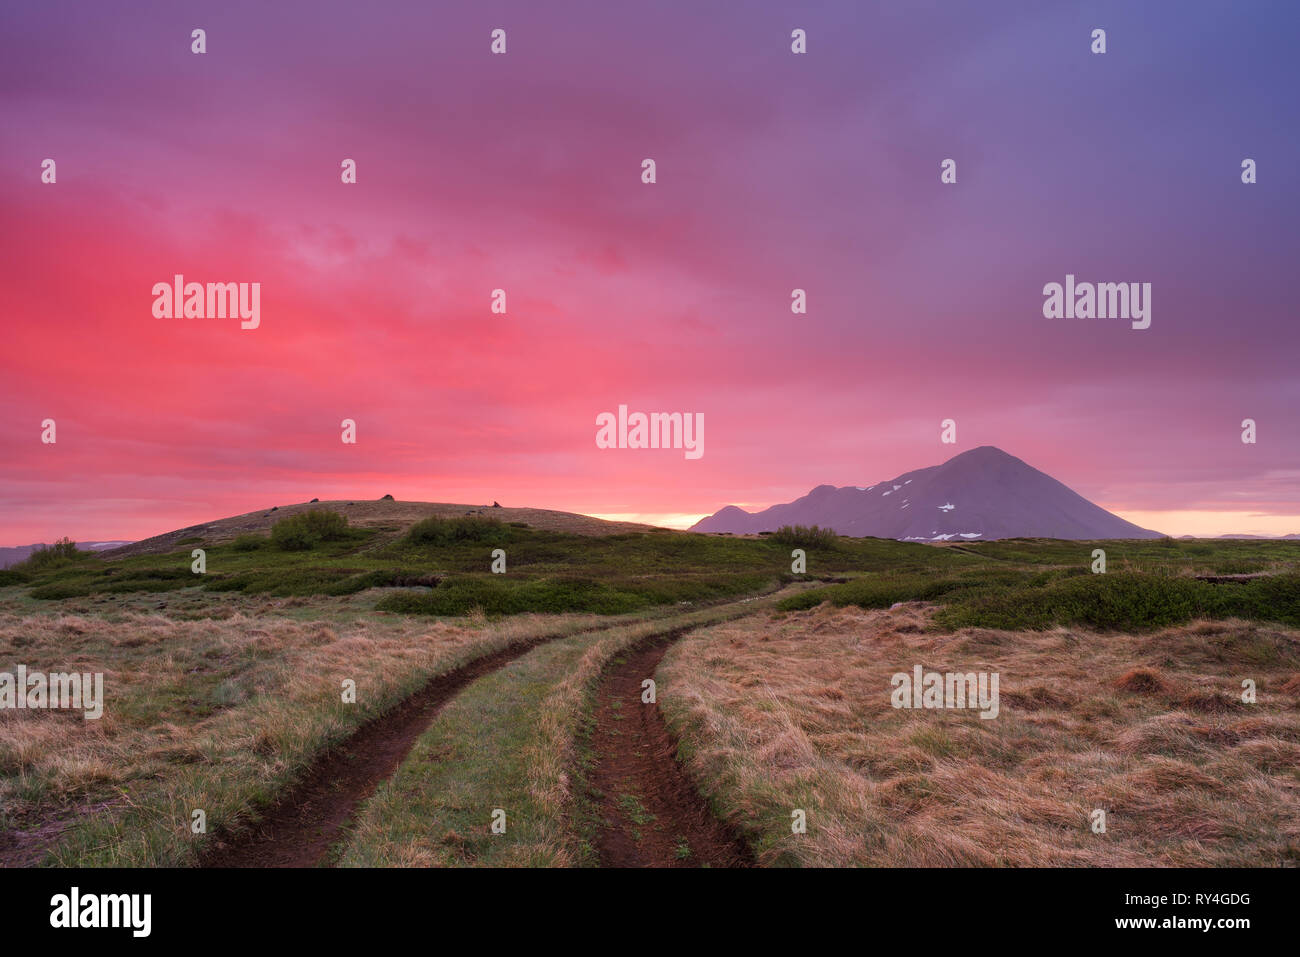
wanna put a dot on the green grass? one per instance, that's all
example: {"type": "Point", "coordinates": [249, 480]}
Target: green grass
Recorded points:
{"type": "Point", "coordinates": [441, 567]}
{"type": "Point", "coordinates": [636, 812]}
{"type": "Point", "coordinates": [1018, 597]}
{"type": "Point", "coordinates": [1128, 601]}
{"type": "Point", "coordinates": [514, 740]}
{"type": "Point", "coordinates": [437, 809]}
{"type": "Point", "coordinates": [497, 595]}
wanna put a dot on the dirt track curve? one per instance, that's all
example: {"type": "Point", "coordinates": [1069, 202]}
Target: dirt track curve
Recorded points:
{"type": "Point", "coordinates": [635, 756]}
{"type": "Point", "coordinates": [650, 811]}
{"type": "Point", "coordinates": [299, 829]}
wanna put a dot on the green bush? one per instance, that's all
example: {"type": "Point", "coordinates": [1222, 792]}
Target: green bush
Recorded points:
{"type": "Point", "coordinates": [384, 578]}
{"type": "Point", "coordinates": [804, 536]}
{"type": "Point", "coordinates": [875, 591]}
{"type": "Point", "coordinates": [62, 552]}
{"type": "Point", "coordinates": [455, 531]}
{"type": "Point", "coordinates": [249, 543]}
{"type": "Point", "coordinates": [308, 529]}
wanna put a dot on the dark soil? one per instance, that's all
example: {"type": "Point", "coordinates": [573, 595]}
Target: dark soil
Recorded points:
{"type": "Point", "coordinates": [651, 815]}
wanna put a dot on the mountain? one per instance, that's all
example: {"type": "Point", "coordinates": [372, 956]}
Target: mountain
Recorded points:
{"type": "Point", "coordinates": [981, 494]}
{"type": "Point", "coordinates": [17, 553]}
{"type": "Point", "coordinates": [1278, 538]}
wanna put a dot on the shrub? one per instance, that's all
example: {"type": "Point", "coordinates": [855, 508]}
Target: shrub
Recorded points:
{"type": "Point", "coordinates": [306, 530]}
{"type": "Point", "coordinates": [384, 578]}
{"type": "Point", "coordinates": [62, 552]}
{"type": "Point", "coordinates": [804, 536]}
{"type": "Point", "coordinates": [454, 531]}
{"type": "Point", "coordinates": [874, 591]}
{"type": "Point", "coordinates": [248, 542]}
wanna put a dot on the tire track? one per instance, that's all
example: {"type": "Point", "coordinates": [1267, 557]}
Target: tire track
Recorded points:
{"type": "Point", "coordinates": [650, 811]}
{"type": "Point", "coordinates": [298, 829]}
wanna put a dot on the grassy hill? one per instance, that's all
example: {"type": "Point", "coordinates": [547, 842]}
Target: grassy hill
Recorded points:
{"type": "Point", "coordinates": [387, 517]}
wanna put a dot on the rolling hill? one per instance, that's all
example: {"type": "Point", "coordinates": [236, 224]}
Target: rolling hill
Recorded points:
{"type": "Point", "coordinates": [390, 517]}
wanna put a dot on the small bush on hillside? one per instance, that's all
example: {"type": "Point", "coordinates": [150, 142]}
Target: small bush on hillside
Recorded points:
{"type": "Point", "coordinates": [249, 543]}
{"type": "Point", "coordinates": [454, 531]}
{"type": "Point", "coordinates": [804, 536]}
{"type": "Point", "coordinates": [308, 529]}
{"type": "Point", "coordinates": [62, 552]}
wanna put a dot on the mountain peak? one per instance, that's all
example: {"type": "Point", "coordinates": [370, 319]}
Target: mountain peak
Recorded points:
{"type": "Point", "coordinates": [982, 493]}
{"type": "Point", "coordinates": [984, 453]}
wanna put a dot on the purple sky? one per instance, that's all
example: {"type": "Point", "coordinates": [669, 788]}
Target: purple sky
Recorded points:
{"type": "Point", "coordinates": [775, 171]}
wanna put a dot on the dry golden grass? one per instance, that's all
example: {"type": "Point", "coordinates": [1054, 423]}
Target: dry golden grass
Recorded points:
{"type": "Point", "coordinates": [204, 713]}
{"type": "Point", "coordinates": [778, 713]}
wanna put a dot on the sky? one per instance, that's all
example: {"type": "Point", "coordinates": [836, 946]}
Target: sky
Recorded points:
{"type": "Point", "coordinates": [775, 171]}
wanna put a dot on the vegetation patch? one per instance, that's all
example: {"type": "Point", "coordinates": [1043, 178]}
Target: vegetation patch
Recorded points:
{"type": "Point", "coordinates": [804, 536]}
{"type": "Point", "coordinates": [1016, 598]}
{"type": "Point", "coordinates": [306, 530]}
{"type": "Point", "coordinates": [498, 595]}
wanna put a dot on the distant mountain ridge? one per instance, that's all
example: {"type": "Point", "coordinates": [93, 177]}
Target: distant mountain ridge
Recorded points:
{"type": "Point", "coordinates": [17, 553]}
{"type": "Point", "coordinates": [1292, 535]}
{"type": "Point", "coordinates": [981, 494]}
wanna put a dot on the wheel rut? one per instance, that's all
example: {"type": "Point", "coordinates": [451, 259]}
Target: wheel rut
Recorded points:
{"type": "Point", "coordinates": [298, 829]}
{"type": "Point", "coordinates": [651, 814]}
